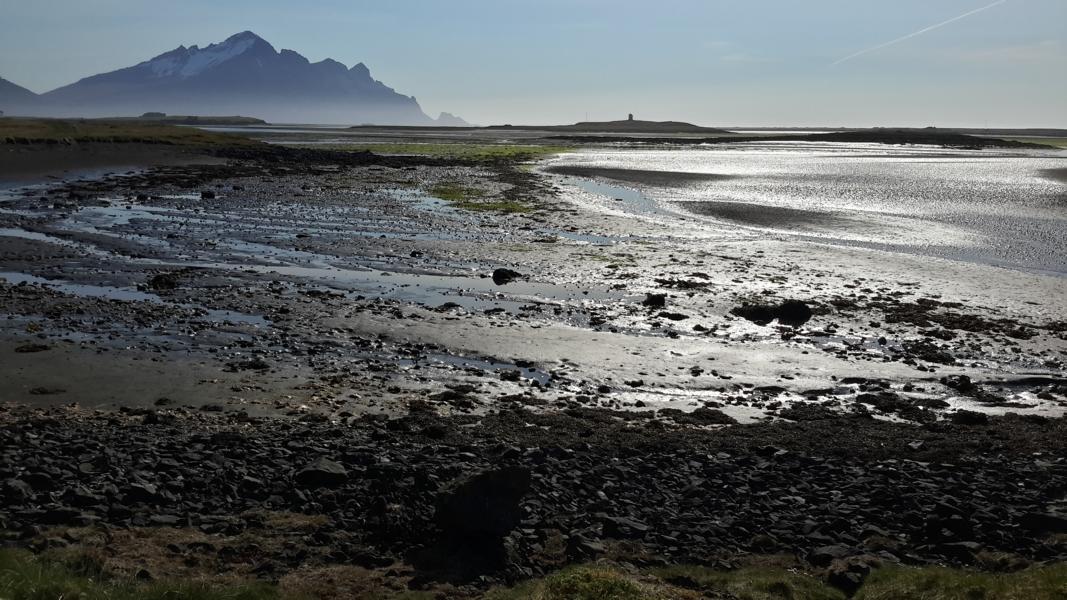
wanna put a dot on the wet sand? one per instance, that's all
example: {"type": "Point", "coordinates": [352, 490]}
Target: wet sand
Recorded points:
{"type": "Point", "coordinates": [1059, 175]}
{"type": "Point", "coordinates": [20, 164]}
{"type": "Point", "coordinates": [273, 267]}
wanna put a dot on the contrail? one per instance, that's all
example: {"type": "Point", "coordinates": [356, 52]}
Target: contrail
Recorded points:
{"type": "Point", "coordinates": [920, 32]}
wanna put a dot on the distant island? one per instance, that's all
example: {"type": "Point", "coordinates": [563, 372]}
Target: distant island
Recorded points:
{"type": "Point", "coordinates": [876, 135]}
{"type": "Point", "coordinates": [629, 125]}
{"type": "Point", "coordinates": [158, 117]}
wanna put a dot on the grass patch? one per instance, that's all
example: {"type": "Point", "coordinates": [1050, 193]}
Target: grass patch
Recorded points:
{"type": "Point", "coordinates": [67, 131]}
{"type": "Point", "coordinates": [499, 206]}
{"type": "Point", "coordinates": [341, 582]}
{"type": "Point", "coordinates": [459, 151]}
{"type": "Point", "coordinates": [24, 576]}
{"type": "Point", "coordinates": [938, 583]}
{"type": "Point", "coordinates": [673, 583]}
{"type": "Point", "coordinates": [287, 521]}
{"type": "Point", "coordinates": [472, 199]}
{"type": "Point", "coordinates": [454, 192]}
{"type": "Point", "coordinates": [779, 583]}
{"type": "Point", "coordinates": [755, 583]}
{"type": "Point", "coordinates": [592, 584]}
{"type": "Point", "coordinates": [588, 583]}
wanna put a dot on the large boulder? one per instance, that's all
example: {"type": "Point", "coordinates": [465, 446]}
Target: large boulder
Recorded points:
{"type": "Point", "coordinates": [322, 472]}
{"type": "Point", "coordinates": [474, 517]}
{"type": "Point", "coordinates": [969, 417]}
{"type": "Point", "coordinates": [655, 300]}
{"type": "Point", "coordinates": [824, 555]}
{"type": "Point", "coordinates": [760, 314]}
{"type": "Point", "coordinates": [793, 313]}
{"type": "Point", "coordinates": [484, 505]}
{"type": "Point", "coordinates": [505, 276]}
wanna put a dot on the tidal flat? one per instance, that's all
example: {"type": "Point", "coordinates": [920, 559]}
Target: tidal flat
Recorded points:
{"type": "Point", "coordinates": [833, 351]}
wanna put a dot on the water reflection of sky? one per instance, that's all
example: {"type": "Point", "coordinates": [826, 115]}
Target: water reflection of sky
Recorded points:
{"type": "Point", "coordinates": [989, 206]}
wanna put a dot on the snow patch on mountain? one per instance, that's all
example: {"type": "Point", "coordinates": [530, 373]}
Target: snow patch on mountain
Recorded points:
{"type": "Point", "coordinates": [195, 60]}
{"type": "Point", "coordinates": [243, 74]}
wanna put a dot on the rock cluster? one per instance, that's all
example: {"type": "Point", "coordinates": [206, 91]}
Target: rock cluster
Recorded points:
{"type": "Point", "coordinates": [463, 498]}
{"type": "Point", "coordinates": [790, 312]}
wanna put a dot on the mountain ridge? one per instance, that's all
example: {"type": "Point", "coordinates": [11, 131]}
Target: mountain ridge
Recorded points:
{"type": "Point", "coordinates": [13, 94]}
{"type": "Point", "coordinates": [244, 74]}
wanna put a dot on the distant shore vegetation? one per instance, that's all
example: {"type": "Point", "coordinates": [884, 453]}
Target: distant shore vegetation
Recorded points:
{"type": "Point", "coordinates": [116, 131]}
{"type": "Point", "coordinates": [457, 151]}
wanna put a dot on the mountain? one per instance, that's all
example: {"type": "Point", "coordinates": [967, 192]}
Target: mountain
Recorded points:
{"type": "Point", "coordinates": [242, 75]}
{"type": "Point", "coordinates": [450, 120]}
{"type": "Point", "coordinates": [12, 95]}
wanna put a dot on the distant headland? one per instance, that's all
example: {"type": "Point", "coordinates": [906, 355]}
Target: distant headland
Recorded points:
{"type": "Point", "coordinates": [629, 125]}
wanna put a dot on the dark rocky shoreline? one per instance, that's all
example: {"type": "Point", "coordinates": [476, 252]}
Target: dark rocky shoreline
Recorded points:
{"type": "Point", "coordinates": [517, 494]}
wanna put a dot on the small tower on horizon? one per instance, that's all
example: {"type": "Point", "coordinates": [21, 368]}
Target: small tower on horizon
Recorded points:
{"type": "Point", "coordinates": [630, 117]}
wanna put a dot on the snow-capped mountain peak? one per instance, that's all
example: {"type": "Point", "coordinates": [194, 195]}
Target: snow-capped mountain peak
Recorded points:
{"type": "Point", "coordinates": [244, 74]}
{"type": "Point", "coordinates": [188, 62]}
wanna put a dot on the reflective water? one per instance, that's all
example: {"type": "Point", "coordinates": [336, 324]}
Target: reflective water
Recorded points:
{"type": "Point", "coordinates": [127, 294]}
{"type": "Point", "coordinates": [986, 206]}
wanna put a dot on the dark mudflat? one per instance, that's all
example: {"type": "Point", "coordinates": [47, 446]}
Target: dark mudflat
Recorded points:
{"type": "Point", "coordinates": [660, 178]}
{"type": "Point", "coordinates": [765, 216]}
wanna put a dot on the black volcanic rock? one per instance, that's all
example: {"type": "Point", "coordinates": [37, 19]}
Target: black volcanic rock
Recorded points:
{"type": "Point", "coordinates": [791, 312]}
{"type": "Point", "coordinates": [504, 276]}
{"type": "Point", "coordinates": [760, 314]}
{"type": "Point", "coordinates": [485, 504]}
{"type": "Point", "coordinates": [794, 313]}
{"type": "Point", "coordinates": [655, 300]}
{"type": "Point", "coordinates": [242, 75]}
{"type": "Point", "coordinates": [323, 472]}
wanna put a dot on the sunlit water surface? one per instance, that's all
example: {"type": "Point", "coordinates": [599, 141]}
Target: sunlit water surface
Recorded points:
{"type": "Point", "coordinates": [991, 206]}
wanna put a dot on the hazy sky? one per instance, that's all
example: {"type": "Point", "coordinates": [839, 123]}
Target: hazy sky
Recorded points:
{"type": "Point", "coordinates": [714, 62]}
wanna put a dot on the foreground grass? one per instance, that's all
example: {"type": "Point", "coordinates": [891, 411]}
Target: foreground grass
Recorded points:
{"type": "Point", "coordinates": [936, 583]}
{"type": "Point", "coordinates": [458, 151]}
{"type": "Point", "coordinates": [683, 583]}
{"type": "Point", "coordinates": [584, 583]}
{"type": "Point", "coordinates": [57, 131]}
{"type": "Point", "coordinates": [473, 199]}
{"type": "Point", "coordinates": [757, 583]}
{"type": "Point", "coordinates": [24, 576]}
{"type": "Point", "coordinates": [675, 583]}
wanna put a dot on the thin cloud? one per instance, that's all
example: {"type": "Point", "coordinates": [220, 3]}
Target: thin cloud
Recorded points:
{"type": "Point", "coordinates": [917, 33]}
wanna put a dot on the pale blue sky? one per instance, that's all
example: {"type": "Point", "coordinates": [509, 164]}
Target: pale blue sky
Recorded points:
{"type": "Point", "coordinates": [715, 62]}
